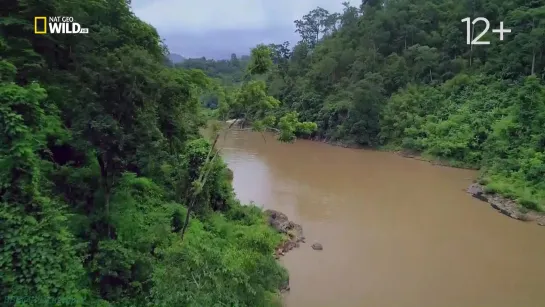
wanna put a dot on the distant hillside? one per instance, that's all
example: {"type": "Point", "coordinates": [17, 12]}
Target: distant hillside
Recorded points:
{"type": "Point", "coordinates": [230, 71]}
{"type": "Point", "coordinates": [176, 58]}
{"type": "Point", "coordinates": [219, 44]}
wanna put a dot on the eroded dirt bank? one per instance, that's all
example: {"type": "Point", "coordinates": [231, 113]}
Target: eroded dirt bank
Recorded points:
{"type": "Point", "coordinates": [506, 206]}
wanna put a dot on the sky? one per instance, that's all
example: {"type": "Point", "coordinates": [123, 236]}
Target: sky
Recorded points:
{"type": "Point", "coordinates": [217, 28]}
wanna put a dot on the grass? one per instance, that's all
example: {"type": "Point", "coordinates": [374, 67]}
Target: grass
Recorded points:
{"type": "Point", "coordinates": [527, 196]}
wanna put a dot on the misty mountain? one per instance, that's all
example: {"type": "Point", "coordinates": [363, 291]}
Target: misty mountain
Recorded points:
{"type": "Point", "coordinates": [220, 44]}
{"type": "Point", "coordinates": [175, 58]}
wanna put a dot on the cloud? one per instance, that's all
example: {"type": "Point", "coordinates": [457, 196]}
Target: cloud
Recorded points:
{"type": "Point", "coordinates": [217, 28]}
{"type": "Point", "coordinates": [208, 15]}
{"type": "Point", "coordinates": [219, 44]}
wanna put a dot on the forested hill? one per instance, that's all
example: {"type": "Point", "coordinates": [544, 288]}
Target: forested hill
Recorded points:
{"type": "Point", "coordinates": [229, 71]}
{"type": "Point", "coordinates": [176, 58]}
{"type": "Point", "coordinates": [109, 196]}
{"type": "Point", "coordinates": [400, 74]}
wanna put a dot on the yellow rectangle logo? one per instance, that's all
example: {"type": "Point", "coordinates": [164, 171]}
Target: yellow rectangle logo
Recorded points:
{"type": "Point", "coordinates": [38, 22]}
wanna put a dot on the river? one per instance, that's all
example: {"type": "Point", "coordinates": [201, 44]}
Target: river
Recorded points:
{"type": "Point", "coordinates": [396, 231]}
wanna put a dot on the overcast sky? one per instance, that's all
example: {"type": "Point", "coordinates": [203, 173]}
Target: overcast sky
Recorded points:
{"type": "Point", "coordinates": [217, 28]}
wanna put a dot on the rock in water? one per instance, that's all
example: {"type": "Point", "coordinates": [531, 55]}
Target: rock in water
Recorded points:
{"type": "Point", "coordinates": [285, 287]}
{"type": "Point", "coordinates": [317, 246]}
{"type": "Point", "coordinates": [280, 222]}
{"type": "Point", "coordinates": [476, 190]}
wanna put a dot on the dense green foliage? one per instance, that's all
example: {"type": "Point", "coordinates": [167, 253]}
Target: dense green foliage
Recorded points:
{"type": "Point", "coordinates": [399, 74]}
{"type": "Point", "coordinates": [102, 166]}
{"type": "Point", "coordinates": [239, 91]}
{"type": "Point", "coordinates": [110, 197]}
{"type": "Point", "coordinates": [226, 75]}
{"type": "Point", "coordinates": [249, 102]}
{"type": "Point", "coordinates": [229, 71]}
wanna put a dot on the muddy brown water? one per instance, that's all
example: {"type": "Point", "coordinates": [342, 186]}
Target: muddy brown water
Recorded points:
{"type": "Point", "coordinates": [396, 231]}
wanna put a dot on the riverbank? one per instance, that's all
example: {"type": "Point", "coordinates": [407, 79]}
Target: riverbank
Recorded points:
{"type": "Point", "coordinates": [293, 236]}
{"type": "Point", "coordinates": [402, 152]}
{"type": "Point", "coordinates": [502, 204]}
{"type": "Point", "coordinates": [506, 206]}
{"type": "Point", "coordinates": [293, 232]}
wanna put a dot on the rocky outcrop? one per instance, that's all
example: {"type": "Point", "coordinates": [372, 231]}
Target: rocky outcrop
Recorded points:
{"type": "Point", "coordinates": [294, 232]}
{"type": "Point", "coordinates": [506, 206]}
{"type": "Point", "coordinates": [294, 235]}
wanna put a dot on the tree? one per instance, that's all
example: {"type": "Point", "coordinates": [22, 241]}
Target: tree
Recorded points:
{"type": "Point", "coordinates": [253, 105]}
{"type": "Point", "coordinates": [314, 25]}
{"type": "Point", "coordinates": [38, 255]}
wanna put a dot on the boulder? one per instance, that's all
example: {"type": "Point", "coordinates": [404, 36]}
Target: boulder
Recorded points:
{"type": "Point", "coordinates": [317, 246]}
{"type": "Point", "coordinates": [280, 222]}
{"type": "Point", "coordinates": [288, 245]}
{"type": "Point", "coordinates": [476, 190]}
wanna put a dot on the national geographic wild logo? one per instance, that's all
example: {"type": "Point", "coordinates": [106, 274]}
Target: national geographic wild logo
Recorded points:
{"type": "Point", "coordinates": [58, 25]}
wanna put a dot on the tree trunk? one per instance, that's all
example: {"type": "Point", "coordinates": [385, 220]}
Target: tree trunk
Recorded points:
{"type": "Point", "coordinates": [105, 189]}
{"type": "Point", "coordinates": [107, 206]}
{"type": "Point", "coordinates": [186, 222]}
{"type": "Point", "coordinates": [541, 61]}
{"type": "Point", "coordinates": [533, 62]}
{"type": "Point", "coordinates": [204, 172]}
